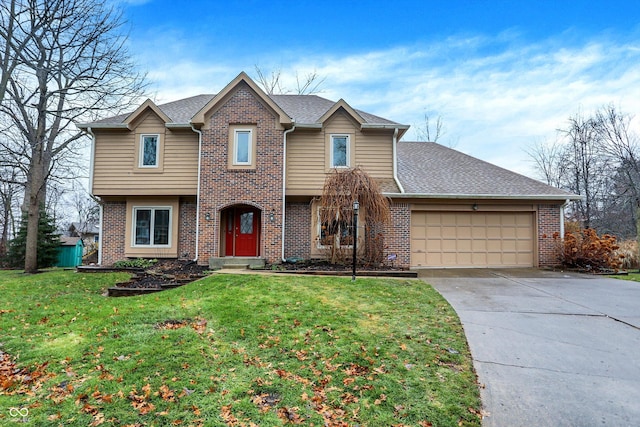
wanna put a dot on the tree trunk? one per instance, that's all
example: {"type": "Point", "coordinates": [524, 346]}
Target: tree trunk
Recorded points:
{"type": "Point", "coordinates": [36, 201]}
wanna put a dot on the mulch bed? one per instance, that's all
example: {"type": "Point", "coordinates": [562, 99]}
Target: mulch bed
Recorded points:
{"type": "Point", "coordinates": [165, 274]}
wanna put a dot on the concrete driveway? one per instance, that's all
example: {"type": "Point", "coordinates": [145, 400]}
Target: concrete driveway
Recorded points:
{"type": "Point", "coordinates": [550, 348]}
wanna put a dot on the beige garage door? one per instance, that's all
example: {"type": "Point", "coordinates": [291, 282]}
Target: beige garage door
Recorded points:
{"type": "Point", "coordinates": [472, 239]}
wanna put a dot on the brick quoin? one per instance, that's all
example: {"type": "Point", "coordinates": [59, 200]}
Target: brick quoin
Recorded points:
{"type": "Point", "coordinates": [186, 228]}
{"type": "Point", "coordinates": [298, 230]}
{"type": "Point", "coordinates": [260, 187]}
{"type": "Point", "coordinates": [548, 224]}
{"type": "Point", "coordinates": [396, 235]}
{"type": "Point", "coordinates": [114, 219]}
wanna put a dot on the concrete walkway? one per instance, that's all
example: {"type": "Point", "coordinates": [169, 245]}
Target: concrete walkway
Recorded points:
{"type": "Point", "coordinates": [549, 348]}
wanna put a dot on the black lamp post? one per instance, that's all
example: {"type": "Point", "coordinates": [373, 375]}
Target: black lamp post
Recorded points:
{"type": "Point", "coordinates": [356, 207]}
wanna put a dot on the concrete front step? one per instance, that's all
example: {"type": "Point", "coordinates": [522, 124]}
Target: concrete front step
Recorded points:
{"type": "Point", "coordinates": [236, 262]}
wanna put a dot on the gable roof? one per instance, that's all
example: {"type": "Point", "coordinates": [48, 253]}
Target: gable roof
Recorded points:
{"type": "Point", "coordinates": [300, 109]}
{"type": "Point", "coordinates": [242, 78]}
{"type": "Point", "coordinates": [428, 169]}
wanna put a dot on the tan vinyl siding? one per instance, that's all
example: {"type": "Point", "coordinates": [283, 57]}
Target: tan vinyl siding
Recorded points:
{"type": "Point", "coordinates": [308, 158]}
{"type": "Point", "coordinates": [305, 161]}
{"type": "Point", "coordinates": [116, 165]}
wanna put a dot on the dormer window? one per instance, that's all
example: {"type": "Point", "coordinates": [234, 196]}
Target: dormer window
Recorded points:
{"type": "Point", "coordinates": [340, 151]}
{"type": "Point", "coordinates": [149, 151]}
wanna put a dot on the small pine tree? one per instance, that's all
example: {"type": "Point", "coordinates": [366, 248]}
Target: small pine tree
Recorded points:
{"type": "Point", "coordinates": [48, 243]}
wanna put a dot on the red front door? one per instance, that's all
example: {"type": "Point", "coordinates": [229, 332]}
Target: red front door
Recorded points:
{"type": "Point", "coordinates": [242, 231]}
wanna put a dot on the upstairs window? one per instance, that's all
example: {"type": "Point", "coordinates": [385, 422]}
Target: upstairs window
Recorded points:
{"type": "Point", "coordinates": [243, 147]}
{"type": "Point", "coordinates": [151, 226]}
{"type": "Point", "coordinates": [340, 151]}
{"type": "Point", "coordinates": [149, 151]}
{"type": "Point", "coordinates": [242, 150]}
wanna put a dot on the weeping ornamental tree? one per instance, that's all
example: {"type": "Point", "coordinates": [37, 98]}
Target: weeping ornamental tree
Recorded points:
{"type": "Point", "coordinates": [341, 189]}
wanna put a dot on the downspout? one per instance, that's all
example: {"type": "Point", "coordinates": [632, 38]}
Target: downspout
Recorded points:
{"type": "Point", "coordinates": [91, 169]}
{"type": "Point", "coordinates": [395, 160]}
{"type": "Point", "coordinates": [100, 235]}
{"type": "Point", "coordinates": [284, 183]}
{"type": "Point", "coordinates": [195, 259]}
{"type": "Point", "coordinates": [562, 218]}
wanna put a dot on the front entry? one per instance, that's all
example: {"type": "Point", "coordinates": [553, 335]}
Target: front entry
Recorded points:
{"type": "Point", "coordinates": [242, 231]}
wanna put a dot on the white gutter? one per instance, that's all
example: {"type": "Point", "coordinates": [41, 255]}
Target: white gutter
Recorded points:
{"type": "Point", "coordinates": [284, 184]}
{"type": "Point", "coordinates": [195, 258]}
{"type": "Point", "coordinates": [92, 158]}
{"type": "Point", "coordinates": [91, 169]}
{"type": "Point", "coordinates": [395, 160]}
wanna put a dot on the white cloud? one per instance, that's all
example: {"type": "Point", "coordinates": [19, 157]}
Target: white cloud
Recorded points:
{"type": "Point", "coordinates": [495, 95]}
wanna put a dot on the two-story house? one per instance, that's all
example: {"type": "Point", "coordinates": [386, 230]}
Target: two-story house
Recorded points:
{"type": "Point", "coordinates": [238, 174]}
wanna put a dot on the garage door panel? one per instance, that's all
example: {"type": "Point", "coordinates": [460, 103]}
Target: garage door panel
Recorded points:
{"type": "Point", "coordinates": [472, 239]}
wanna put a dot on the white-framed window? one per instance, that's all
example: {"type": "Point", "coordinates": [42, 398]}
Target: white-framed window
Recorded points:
{"type": "Point", "coordinates": [149, 151]}
{"type": "Point", "coordinates": [340, 151]}
{"type": "Point", "coordinates": [242, 147]}
{"type": "Point", "coordinates": [338, 231]}
{"type": "Point", "coordinates": [152, 226]}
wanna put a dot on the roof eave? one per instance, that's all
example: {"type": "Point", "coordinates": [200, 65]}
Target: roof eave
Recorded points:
{"type": "Point", "coordinates": [84, 126]}
{"type": "Point", "coordinates": [178, 125]}
{"type": "Point", "coordinates": [308, 125]}
{"type": "Point", "coordinates": [555, 197]}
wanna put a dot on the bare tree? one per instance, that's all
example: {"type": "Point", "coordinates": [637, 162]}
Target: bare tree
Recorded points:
{"type": "Point", "coordinates": [550, 161]}
{"type": "Point", "coordinates": [73, 65]}
{"type": "Point", "coordinates": [429, 130]}
{"type": "Point", "coordinates": [272, 82]}
{"type": "Point", "coordinates": [10, 189]}
{"type": "Point", "coordinates": [309, 84]}
{"type": "Point", "coordinates": [620, 144]}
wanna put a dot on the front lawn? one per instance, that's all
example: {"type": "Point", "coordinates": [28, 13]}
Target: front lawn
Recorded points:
{"type": "Point", "coordinates": [232, 350]}
{"type": "Point", "coordinates": [634, 277]}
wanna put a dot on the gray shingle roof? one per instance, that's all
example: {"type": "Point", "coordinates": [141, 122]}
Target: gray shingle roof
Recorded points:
{"type": "Point", "coordinates": [428, 168]}
{"type": "Point", "coordinates": [301, 108]}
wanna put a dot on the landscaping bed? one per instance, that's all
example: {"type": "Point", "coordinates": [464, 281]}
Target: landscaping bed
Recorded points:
{"type": "Point", "coordinates": [165, 274]}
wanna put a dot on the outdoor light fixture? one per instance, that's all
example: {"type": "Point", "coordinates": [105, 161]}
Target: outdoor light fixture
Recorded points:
{"type": "Point", "coordinates": [356, 208]}
{"type": "Point", "coordinates": [207, 216]}
{"type": "Point", "coordinates": [272, 216]}
{"type": "Point", "coordinates": [474, 207]}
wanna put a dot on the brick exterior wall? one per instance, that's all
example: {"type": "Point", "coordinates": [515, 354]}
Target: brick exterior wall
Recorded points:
{"type": "Point", "coordinates": [298, 230]}
{"type": "Point", "coordinates": [222, 187]}
{"type": "Point", "coordinates": [113, 225]}
{"type": "Point", "coordinates": [548, 223]}
{"type": "Point", "coordinates": [397, 235]}
{"type": "Point", "coordinates": [187, 230]}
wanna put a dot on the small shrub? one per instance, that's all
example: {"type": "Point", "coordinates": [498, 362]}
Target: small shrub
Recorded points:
{"type": "Point", "coordinates": [586, 250]}
{"type": "Point", "coordinates": [135, 263]}
{"type": "Point", "coordinates": [628, 254]}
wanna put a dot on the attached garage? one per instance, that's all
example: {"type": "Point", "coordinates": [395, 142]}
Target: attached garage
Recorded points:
{"type": "Point", "coordinates": [472, 239]}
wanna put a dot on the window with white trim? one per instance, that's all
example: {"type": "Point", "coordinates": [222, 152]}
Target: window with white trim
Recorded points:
{"type": "Point", "coordinates": [149, 151]}
{"type": "Point", "coordinates": [152, 226]}
{"type": "Point", "coordinates": [340, 151]}
{"type": "Point", "coordinates": [242, 147]}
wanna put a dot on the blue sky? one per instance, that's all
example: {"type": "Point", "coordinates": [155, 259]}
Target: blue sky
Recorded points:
{"type": "Point", "coordinates": [502, 75]}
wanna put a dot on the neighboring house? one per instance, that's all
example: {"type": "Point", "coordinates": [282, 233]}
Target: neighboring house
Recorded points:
{"type": "Point", "coordinates": [238, 174]}
{"type": "Point", "coordinates": [89, 232]}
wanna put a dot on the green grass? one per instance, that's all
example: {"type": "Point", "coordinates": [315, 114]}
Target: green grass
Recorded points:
{"type": "Point", "coordinates": [235, 350]}
{"type": "Point", "coordinates": [634, 277]}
